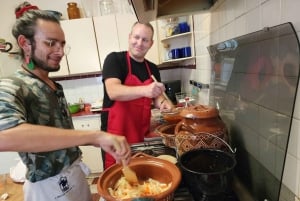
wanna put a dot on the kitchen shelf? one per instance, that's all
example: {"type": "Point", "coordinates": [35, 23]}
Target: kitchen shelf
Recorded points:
{"type": "Point", "coordinates": [176, 36]}
{"type": "Point", "coordinates": [178, 60]}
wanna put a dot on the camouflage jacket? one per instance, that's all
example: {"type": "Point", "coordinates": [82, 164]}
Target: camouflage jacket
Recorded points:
{"type": "Point", "coordinates": [25, 98]}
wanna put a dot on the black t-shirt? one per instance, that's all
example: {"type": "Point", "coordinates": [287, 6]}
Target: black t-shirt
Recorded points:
{"type": "Point", "coordinates": [115, 66]}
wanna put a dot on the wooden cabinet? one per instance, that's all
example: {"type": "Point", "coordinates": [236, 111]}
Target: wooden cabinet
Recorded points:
{"type": "Point", "coordinates": [112, 32]}
{"type": "Point", "coordinates": [92, 39]}
{"type": "Point", "coordinates": [83, 55]}
{"type": "Point", "coordinates": [107, 35]}
{"type": "Point", "coordinates": [91, 155]}
{"type": "Point", "coordinates": [153, 53]}
{"type": "Point", "coordinates": [169, 41]}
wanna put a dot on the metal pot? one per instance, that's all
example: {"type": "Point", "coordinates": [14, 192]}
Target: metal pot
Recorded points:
{"type": "Point", "coordinates": [207, 172]}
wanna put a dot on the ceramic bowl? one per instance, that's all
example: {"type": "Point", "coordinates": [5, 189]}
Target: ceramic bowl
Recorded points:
{"type": "Point", "coordinates": [156, 168]}
{"type": "Point", "coordinates": [173, 116]}
{"type": "Point", "coordinates": [167, 132]}
{"type": "Point", "coordinates": [74, 108]}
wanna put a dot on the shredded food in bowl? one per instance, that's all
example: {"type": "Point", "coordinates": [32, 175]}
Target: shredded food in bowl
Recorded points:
{"type": "Point", "coordinates": [123, 189]}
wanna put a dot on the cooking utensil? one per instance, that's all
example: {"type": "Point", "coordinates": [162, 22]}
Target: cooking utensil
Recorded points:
{"type": "Point", "coordinates": [208, 171]}
{"type": "Point", "coordinates": [167, 132]}
{"type": "Point", "coordinates": [146, 167]}
{"type": "Point", "coordinates": [129, 174]}
{"type": "Point", "coordinates": [192, 131]}
{"type": "Point", "coordinates": [172, 116]}
{"type": "Point", "coordinates": [164, 94]}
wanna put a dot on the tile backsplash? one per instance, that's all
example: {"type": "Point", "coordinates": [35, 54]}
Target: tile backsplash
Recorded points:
{"type": "Point", "coordinates": [88, 89]}
{"type": "Point", "coordinates": [233, 18]}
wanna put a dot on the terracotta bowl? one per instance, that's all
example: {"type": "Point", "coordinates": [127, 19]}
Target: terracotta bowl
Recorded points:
{"type": "Point", "coordinates": [167, 132]}
{"type": "Point", "coordinates": [145, 167]}
{"type": "Point", "coordinates": [173, 116]}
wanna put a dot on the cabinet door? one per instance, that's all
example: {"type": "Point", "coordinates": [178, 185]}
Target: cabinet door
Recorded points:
{"type": "Point", "coordinates": [91, 155]}
{"type": "Point", "coordinates": [153, 54]}
{"type": "Point", "coordinates": [107, 35]}
{"type": "Point", "coordinates": [124, 24]}
{"type": "Point", "coordinates": [80, 36]}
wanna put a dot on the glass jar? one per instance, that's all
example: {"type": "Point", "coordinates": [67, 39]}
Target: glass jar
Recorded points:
{"type": "Point", "coordinates": [107, 7]}
{"type": "Point", "coordinates": [171, 25]}
{"type": "Point", "coordinates": [73, 10]}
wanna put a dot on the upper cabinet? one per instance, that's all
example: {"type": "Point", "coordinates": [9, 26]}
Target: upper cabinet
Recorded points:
{"type": "Point", "coordinates": [176, 37]}
{"type": "Point", "coordinates": [112, 32]}
{"type": "Point", "coordinates": [83, 54]}
{"type": "Point", "coordinates": [92, 39]}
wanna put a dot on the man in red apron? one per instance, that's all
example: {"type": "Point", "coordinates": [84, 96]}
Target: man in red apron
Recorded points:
{"type": "Point", "coordinates": [129, 90]}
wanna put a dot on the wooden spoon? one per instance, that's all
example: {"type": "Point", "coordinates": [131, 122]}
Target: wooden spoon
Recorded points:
{"type": "Point", "coordinates": [164, 94]}
{"type": "Point", "coordinates": [129, 174]}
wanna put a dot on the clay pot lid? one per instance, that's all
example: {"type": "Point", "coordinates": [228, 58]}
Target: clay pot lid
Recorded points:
{"type": "Point", "coordinates": [199, 111]}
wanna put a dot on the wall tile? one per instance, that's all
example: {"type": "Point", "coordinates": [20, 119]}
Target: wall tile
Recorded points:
{"type": "Point", "coordinates": [297, 105]}
{"type": "Point", "coordinates": [290, 12]}
{"type": "Point", "coordinates": [291, 173]}
{"type": "Point", "coordinates": [240, 26]}
{"type": "Point", "coordinates": [251, 4]}
{"type": "Point", "coordinates": [271, 13]}
{"type": "Point", "coordinates": [294, 141]}
{"type": "Point", "coordinates": [230, 11]}
{"type": "Point", "coordinates": [89, 89]}
{"type": "Point", "coordinates": [253, 20]}
{"type": "Point", "coordinates": [239, 7]}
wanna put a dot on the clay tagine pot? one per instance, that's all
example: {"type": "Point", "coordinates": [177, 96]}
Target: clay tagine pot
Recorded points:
{"type": "Point", "coordinates": [198, 128]}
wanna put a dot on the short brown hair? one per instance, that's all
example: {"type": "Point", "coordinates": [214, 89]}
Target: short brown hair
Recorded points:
{"type": "Point", "coordinates": [147, 24]}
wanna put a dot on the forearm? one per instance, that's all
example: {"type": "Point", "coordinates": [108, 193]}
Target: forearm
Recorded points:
{"type": "Point", "coordinates": [120, 92]}
{"type": "Point", "coordinates": [34, 138]}
{"type": "Point", "coordinates": [126, 93]}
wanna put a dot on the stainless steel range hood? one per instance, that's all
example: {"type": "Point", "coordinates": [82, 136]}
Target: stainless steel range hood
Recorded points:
{"type": "Point", "coordinates": [149, 10]}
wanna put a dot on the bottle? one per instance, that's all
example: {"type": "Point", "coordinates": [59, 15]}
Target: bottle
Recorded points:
{"type": "Point", "coordinates": [73, 10]}
{"type": "Point", "coordinates": [106, 7]}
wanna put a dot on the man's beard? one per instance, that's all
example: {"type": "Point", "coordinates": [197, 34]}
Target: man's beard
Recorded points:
{"type": "Point", "coordinates": [42, 65]}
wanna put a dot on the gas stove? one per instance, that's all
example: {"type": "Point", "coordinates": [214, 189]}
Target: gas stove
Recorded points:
{"type": "Point", "coordinates": [155, 148]}
{"type": "Point", "coordinates": [152, 148]}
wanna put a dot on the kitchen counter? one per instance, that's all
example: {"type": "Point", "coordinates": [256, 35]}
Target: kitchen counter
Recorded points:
{"type": "Point", "coordinates": [14, 190]}
{"type": "Point", "coordinates": [86, 113]}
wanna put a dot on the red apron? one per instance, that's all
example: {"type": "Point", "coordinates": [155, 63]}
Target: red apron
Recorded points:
{"type": "Point", "coordinates": [130, 118]}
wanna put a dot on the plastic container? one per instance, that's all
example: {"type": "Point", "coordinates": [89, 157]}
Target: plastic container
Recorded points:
{"type": "Point", "coordinates": [73, 11]}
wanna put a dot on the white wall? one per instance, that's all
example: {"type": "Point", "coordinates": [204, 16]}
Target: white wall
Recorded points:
{"type": "Point", "coordinates": [8, 160]}
{"type": "Point", "coordinates": [231, 18]}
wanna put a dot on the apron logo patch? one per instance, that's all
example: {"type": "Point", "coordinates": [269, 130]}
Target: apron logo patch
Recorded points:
{"type": "Point", "coordinates": [63, 184]}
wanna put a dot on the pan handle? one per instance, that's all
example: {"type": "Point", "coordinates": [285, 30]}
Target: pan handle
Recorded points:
{"type": "Point", "coordinates": [228, 146]}
{"type": "Point", "coordinates": [141, 154]}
